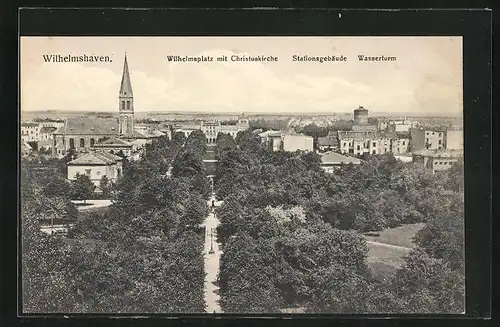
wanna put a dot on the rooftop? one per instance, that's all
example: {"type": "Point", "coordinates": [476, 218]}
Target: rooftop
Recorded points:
{"type": "Point", "coordinates": [336, 158]}
{"type": "Point", "coordinates": [47, 129]}
{"type": "Point", "coordinates": [96, 158]}
{"type": "Point", "coordinates": [363, 135]}
{"type": "Point", "coordinates": [88, 125]}
{"type": "Point", "coordinates": [440, 153]}
{"type": "Point", "coordinates": [112, 142]}
{"type": "Point", "coordinates": [147, 134]}
{"type": "Point", "coordinates": [360, 108]}
{"type": "Point", "coordinates": [328, 141]}
{"type": "Point", "coordinates": [29, 124]}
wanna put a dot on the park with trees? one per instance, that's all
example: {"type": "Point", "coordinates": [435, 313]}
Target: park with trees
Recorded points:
{"type": "Point", "coordinates": [292, 235]}
{"type": "Point", "coordinates": [142, 255]}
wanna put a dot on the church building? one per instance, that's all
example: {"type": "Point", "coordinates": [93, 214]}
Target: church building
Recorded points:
{"type": "Point", "coordinates": [82, 133]}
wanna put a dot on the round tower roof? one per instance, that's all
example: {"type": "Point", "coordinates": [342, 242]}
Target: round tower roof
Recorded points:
{"type": "Point", "coordinates": [361, 109]}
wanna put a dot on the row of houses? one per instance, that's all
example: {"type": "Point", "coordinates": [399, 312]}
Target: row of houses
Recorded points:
{"type": "Point", "coordinates": [212, 128]}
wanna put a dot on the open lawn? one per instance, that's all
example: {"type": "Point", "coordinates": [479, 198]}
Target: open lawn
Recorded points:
{"type": "Point", "coordinates": [400, 236]}
{"type": "Point", "coordinates": [389, 249]}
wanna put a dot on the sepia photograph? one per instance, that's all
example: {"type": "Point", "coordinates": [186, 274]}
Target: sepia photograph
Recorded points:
{"type": "Point", "coordinates": [241, 175]}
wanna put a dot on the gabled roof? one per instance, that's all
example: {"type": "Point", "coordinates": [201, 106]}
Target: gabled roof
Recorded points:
{"type": "Point", "coordinates": [328, 141]}
{"type": "Point", "coordinates": [112, 142]}
{"type": "Point", "coordinates": [96, 158]}
{"type": "Point", "coordinates": [336, 158]}
{"type": "Point", "coordinates": [146, 134]}
{"type": "Point", "coordinates": [29, 124]}
{"type": "Point", "coordinates": [89, 126]}
{"type": "Point", "coordinates": [47, 129]}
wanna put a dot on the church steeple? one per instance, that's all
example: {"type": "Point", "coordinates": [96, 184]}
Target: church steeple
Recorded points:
{"type": "Point", "coordinates": [126, 85]}
{"type": "Point", "coordinates": [126, 103]}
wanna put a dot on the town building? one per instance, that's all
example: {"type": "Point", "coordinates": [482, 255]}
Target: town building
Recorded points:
{"type": "Point", "coordinates": [422, 138]}
{"type": "Point", "coordinates": [272, 139]}
{"type": "Point", "coordinates": [359, 143]}
{"type": "Point", "coordinates": [212, 128]}
{"type": "Point", "coordinates": [81, 134]}
{"type": "Point", "coordinates": [437, 160]}
{"type": "Point", "coordinates": [332, 160]}
{"type": "Point", "coordinates": [45, 140]}
{"type": "Point", "coordinates": [328, 143]}
{"type": "Point", "coordinates": [96, 165]}
{"type": "Point", "coordinates": [297, 142]}
{"type": "Point", "coordinates": [113, 146]}
{"type": "Point", "coordinates": [30, 132]}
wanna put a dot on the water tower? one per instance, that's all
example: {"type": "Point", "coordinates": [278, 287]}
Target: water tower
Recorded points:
{"type": "Point", "coordinates": [360, 116]}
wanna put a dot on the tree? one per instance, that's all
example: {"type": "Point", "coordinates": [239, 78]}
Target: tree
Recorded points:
{"type": "Point", "coordinates": [188, 164]}
{"type": "Point", "coordinates": [105, 186]}
{"type": "Point", "coordinates": [428, 285]}
{"type": "Point", "coordinates": [46, 280]}
{"type": "Point", "coordinates": [82, 188]}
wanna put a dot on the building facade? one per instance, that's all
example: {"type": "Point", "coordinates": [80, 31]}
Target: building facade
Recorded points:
{"type": "Point", "coordinates": [272, 139]}
{"type": "Point", "coordinates": [211, 129]}
{"type": "Point", "coordinates": [427, 139]}
{"type": "Point", "coordinates": [95, 166]}
{"type": "Point", "coordinates": [113, 146]}
{"type": "Point", "coordinates": [437, 160]}
{"type": "Point", "coordinates": [30, 132]}
{"type": "Point", "coordinates": [328, 143]}
{"type": "Point", "coordinates": [359, 143]}
{"type": "Point", "coordinates": [332, 161]}
{"type": "Point", "coordinates": [297, 142]}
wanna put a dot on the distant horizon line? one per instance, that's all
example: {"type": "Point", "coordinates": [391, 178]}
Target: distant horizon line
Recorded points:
{"type": "Point", "coordinates": [248, 112]}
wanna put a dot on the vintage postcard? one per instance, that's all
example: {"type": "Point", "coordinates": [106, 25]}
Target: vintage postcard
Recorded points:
{"type": "Point", "coordinates": [267, 175]}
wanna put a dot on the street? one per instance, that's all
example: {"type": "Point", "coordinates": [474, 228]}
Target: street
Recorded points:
{"type": "Point", "coordinates": [211, 260]}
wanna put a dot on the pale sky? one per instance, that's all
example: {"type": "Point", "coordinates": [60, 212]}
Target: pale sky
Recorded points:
{"type": "Point", "coordinates": [425, 78]}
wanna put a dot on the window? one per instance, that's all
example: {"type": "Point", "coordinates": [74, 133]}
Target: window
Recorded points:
{"type": "Point", "coordinates": [374, 151]}
{"type": "Point", "coordinates": [432, 133]}
{"type": "Point", "coordinates": [92, 142]}
{"type": "Point", "coordinates": [403, 142]}
{"type": "Point", "coordinates": [123, 105]}
{"type": "Point", "coordinates": [87, 172]}
{"type": "Point", "coordinates": [71, 143]}
{"type": "Point", "coordinates": [128, 105]}
{"type": "Point", "coordinates": [374, 144]}
{"type": "Point", "coordinates": [98, 173]}
{"type": "Point", "coordinates": [358, 147]}
{"type": "Point", "coordinates": [345, 144]}
{"type": "Point", "coordinates": [439, 142]}
{"type": "Point", "coordinates": [82, 143]}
